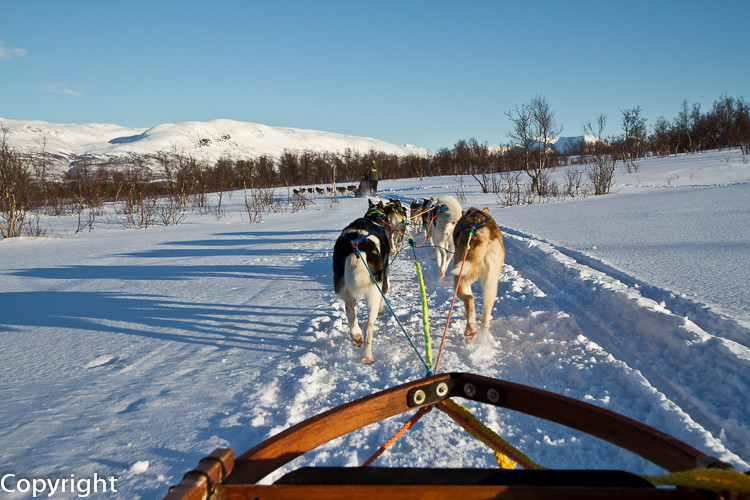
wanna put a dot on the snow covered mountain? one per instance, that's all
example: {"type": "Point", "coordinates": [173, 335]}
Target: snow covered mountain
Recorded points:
{"type": "Point", "coordinates": [68, 144]}
{"type": "Point", "coordinates": [561, 145]}
{"type": "Point", "coordinates": [565, 145]}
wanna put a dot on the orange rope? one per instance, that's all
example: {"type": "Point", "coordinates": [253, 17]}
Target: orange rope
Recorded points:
{"type": "Point", "coordinates": [413, 420]}
{"type": "Point", "coordinates": [427, 232]}
{"type": "Point", "coordinates": [453, 301]}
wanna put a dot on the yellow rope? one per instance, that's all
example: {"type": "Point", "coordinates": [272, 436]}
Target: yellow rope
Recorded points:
{"type": "Point", "coordinates": [704, 479]}
{"type": "Point", "coordinates": [508, 455]}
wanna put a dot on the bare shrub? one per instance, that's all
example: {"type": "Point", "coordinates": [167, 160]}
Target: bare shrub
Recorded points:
{"type": "Point", "coordinates": [169, 211]}
{"type": "Point", "coordinates": [511, 187]}
{"type": "Point", "coordinates": [16, 188]}
{"type": "Point", "coordinates": [460, 195]}
{"type": "Point", "coordinates": [139, 207]}
{"type": "Point", "coordinates": [548, 188]}
{"type": "Point", "coordinates": [85, 186]}
{"type": "Point", "coordinates": [573, 177]}
{"type": "Point", "coordinates": [601, 168]}
{"type": "Point", "coordinates": [34, 225]}
{"type": "Point", "coordinates": [254, 205]}
{"type": "Point", "coordinates": [297, 201]}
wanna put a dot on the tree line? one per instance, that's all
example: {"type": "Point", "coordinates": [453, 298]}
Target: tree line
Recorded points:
{"type": "Point", "coordinates": [145, 195]}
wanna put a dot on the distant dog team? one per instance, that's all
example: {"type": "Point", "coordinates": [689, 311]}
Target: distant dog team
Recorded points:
{"type": "Point", "coordinates": [362, 252]}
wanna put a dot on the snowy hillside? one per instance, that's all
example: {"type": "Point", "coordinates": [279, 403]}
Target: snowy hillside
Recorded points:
{"type": "Point", "coordinates": [566, 145]}
{"type": "Point", "coordinates": [206, 141]}
{"type": "Point", "coordinates": [134, 353]}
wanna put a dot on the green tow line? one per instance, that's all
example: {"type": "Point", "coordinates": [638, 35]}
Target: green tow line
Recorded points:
{"type": "Point", "coordinates": [425, 319]}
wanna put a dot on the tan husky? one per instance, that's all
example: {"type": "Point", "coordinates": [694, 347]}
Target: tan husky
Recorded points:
{"type": "Point", "coordinates": [484, 260]}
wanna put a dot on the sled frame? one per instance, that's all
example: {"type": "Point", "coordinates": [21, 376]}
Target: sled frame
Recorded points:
{"type": "Point", "coordinates": [237, 478]}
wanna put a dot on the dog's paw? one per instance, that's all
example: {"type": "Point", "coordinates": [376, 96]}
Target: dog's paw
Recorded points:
{"type": "Point", "coordinates": [441, 274]}
{"type": "Point", "coordinates": [367, 360]}
{"type": "Point", "coordinates": [470, 333]}
{"type": "Point", "coordinates": [357, 339]}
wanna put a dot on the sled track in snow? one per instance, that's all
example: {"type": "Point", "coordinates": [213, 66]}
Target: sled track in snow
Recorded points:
{"type": "Point", "coordinates": [562, 322]}
{"type": "Point", "coordinates": [646, 336]}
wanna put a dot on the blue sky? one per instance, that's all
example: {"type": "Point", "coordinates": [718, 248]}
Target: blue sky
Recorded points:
{"type": "Point", "coordinates": [427, 73]}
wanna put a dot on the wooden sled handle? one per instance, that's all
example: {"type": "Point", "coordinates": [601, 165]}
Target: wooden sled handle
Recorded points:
{"type": "Point", "coordinates": [647, 442]}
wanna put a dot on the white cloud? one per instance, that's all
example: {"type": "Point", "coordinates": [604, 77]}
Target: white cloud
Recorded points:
{"type": "Point", "coordinates": [58, 88]}
{"type": "Point", "coordinates": [6, 54]}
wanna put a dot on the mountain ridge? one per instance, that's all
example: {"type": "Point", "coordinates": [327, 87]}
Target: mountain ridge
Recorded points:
{"type": "Point", "coordinates": [208, 141]}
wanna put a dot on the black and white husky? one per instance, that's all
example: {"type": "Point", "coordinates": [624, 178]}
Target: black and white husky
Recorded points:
{"type": "Point", "coordinates": [351, 278]}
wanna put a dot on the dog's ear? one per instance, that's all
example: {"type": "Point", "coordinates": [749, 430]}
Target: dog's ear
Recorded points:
{"type": "Point", "coordinates": [370, 202]}
{"type": "Point", "coordinates": [486, 210]}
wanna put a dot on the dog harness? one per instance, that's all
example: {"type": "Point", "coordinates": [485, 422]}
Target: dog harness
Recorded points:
{"type": "Point", "coordinates": [475, 225]}
{"type": "Point", "coordinates": [376, 229]}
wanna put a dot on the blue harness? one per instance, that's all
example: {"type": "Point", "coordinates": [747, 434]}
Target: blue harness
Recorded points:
{"type": "Point", "coordinates": [375, 229]}
{"type": "Point", "coordinates": [476, 225]}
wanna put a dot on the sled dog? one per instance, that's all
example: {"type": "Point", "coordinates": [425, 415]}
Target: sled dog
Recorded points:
{"type": "Point", "coordinates": [351, 279]}
{"type": "Point", "coordinates": [415, 217]}
{"type": "Point", "coordinates": [446, 212]}
{"type": "Point", "coordinates": [396, 224]}
{"type": "Point", "coordinates": [484, 261]}
{"type": "Point", "coordinates": [428, 210]}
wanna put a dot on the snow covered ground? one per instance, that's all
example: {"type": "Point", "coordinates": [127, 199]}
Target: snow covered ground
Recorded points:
{"type": "Point", "coordinates": [133, 353]}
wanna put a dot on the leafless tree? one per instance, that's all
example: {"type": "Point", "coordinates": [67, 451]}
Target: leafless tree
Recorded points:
{"type": "Point", "coordinates": [546, 128]}
{"type": "Point", "coordinates": [683, 128]}
{"type": "Point", "coordinates": [598, 129]}
{"type": "Point", "coordinates": [511, 185]}
{"type": "Point", "coordinates": [172, 207]}
{"type": "Point", "coordinates": [523, 137]}
{"type": "Point", "coordinates": [573, 182]}
{"type": "Point", "coordinates": [601, 167]}
{"type": "Point", "coordinates": [85, 188]}
{"type": "Point", "coordinates": [42, 175]}
{"type": "Point", "coordinates": [15, 190]}
{"type": "Point", "coordinates": [533, 127]}
{"type": "Point", "coordinates": [140, 205]}
{"type": "Point", "coordinates": [634, 141]}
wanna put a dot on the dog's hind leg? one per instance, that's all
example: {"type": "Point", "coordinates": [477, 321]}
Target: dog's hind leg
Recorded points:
{"type": "Point", "coordinates": [442, 261]}
{"type": "Point", "coordinates": [355, 332]}
{"type": "Point", "coordinates": [489, 294]}
{"type": "Point", "coordinates": [374, 304]}
{"type": "Point", "coordinates": [464, 294]}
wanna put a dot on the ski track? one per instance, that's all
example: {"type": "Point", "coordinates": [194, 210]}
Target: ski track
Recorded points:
{"type": "Point", "coordinates": [562, 322]}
